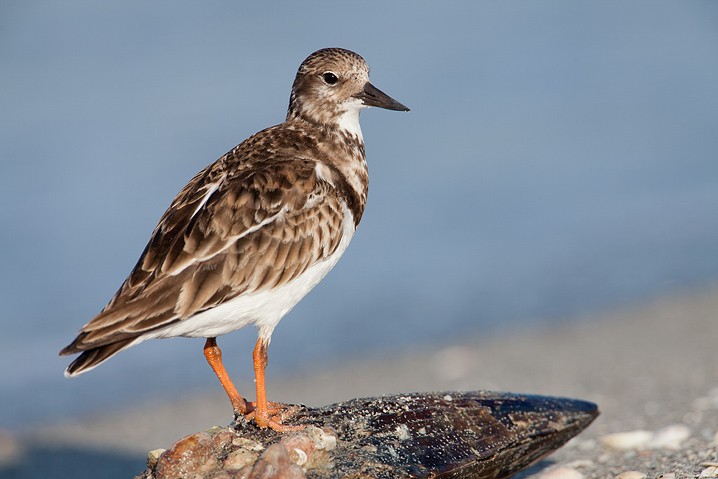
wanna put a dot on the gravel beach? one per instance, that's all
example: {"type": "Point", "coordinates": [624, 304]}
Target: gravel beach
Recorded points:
{"type": "Point", "coordinates": [652, 369]}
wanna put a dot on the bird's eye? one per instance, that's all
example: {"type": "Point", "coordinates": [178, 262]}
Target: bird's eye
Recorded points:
{"type": "Point", "coordinates": [330, 78]}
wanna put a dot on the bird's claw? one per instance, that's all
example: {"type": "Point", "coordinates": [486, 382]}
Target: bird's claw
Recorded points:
{"type": "Point", "coordinates": [273, 416]}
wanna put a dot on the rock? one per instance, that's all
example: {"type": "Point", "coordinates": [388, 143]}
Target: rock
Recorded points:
{"type": "Point", "coordinates": [153, 456]}
{"type": "Point", "coordinates": [191, 456]}
{"type": "Point", "coordinates": [275, 463]}
{"type": "Point", "coordinates": [238, 459]}
{"type": "Point", "coordinates": [468, 435]}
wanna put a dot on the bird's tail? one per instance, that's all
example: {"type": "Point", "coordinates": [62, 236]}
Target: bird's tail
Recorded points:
{"type": "Point", "coordinates": [92, 358]}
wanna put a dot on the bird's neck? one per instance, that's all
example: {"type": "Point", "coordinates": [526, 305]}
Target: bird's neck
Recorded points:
{"type": "Point", "coordinates": [342, 150]}
{"type": "Point", "coordinates": [354, 170]}
{"type": "Point", "coordinates": [348, 123]}
{"type": "Point", "coordinates": [342, 118]}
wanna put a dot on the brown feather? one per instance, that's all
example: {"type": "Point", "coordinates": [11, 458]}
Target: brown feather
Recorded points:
{"type": "Point", "coordinates": [93, 357]}
{"type": "Point", "coordinates": [209, 259]}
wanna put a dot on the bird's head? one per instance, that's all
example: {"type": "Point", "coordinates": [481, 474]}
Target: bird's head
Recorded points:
{"type": "Point", "coordinates": [331, 88]}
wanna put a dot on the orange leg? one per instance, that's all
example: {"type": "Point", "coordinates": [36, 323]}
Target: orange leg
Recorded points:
{"type": "Point", "coordinates": [214, 358]}
{"type": "Point", "coordinates": [261, 412]}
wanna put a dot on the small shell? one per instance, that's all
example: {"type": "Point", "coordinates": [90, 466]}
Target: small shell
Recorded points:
{"type": "Point", "coordinates": [631, 475]}
{"type": "Point", "coordinates": [322, 439]}
{"type": "Point", "coordinates": [560, 472]}
{"type": "Point", "coordinates": [624, 441]}
{"type": "Point", "coordinates": [670, 437]}
{"type": "Point", "coordinates": [239, 458]}
{"type": "Point", "coordinates": [298, 456]}
{"type": "Point", "coordinates": [153, 456]}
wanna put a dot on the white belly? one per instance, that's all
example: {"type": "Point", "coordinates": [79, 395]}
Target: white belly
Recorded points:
{"type": "Point", "coordinates": [264, 308]}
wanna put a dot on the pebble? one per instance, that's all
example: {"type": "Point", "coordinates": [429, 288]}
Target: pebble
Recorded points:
{"type": "Point", "coordinates": [192, 455]}
{"type": "Point", "coordinates": [710, 471]}
{"type": "Point", "coordinates": [153, 456]}
{"type": "Point", "coordinates": [669, 437]}
{"type": "Point", "coordinates": [236, 460]}
{"type": "Point", "coordinates": [276, 463]}
{"type": "Point", "coordinates": [560, 472]}
{"type": "Point", "coordinates": [624, 441]}
{"type": "Point", "coordinates": [668, 475]}
{"type": "Point", "coordinates": [631, 475]}
{"type": "Point", "coordinates": [322, 439]}
{"type": "Point", "coordinates": [299, 447]}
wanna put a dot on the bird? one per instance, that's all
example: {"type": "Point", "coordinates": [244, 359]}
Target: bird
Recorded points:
{"type": "Point", "coordinates": [252, 233]}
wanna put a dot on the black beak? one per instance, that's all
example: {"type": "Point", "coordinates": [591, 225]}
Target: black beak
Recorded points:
{"type": "Point", "coordinates": [372, 96]}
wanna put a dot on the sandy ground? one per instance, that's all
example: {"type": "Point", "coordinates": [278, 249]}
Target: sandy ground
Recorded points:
{"type": "Point", "coordinates": [653, 370]}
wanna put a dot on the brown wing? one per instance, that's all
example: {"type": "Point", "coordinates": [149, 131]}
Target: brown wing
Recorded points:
{"type": "Point", "coordinates": [223, 236]}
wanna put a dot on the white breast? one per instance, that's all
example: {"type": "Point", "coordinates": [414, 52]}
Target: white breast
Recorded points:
{"type": "Point", "coordinates": [264, 308]}
{"type": "Point", "coordinates": [349, 120]}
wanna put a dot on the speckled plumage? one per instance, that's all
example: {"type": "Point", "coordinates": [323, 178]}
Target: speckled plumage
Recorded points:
{"type": "Point", "coordinates": [253, 232]}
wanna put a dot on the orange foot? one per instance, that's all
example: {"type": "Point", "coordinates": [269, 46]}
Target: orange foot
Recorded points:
{"type": "Point", "coordinates": [263, 412]}
{"type": "Point", "coordinates": [272, 416]}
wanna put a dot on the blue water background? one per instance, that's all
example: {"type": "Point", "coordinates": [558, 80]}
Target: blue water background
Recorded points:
{"type": "Point", "coordinates": [560, 158]}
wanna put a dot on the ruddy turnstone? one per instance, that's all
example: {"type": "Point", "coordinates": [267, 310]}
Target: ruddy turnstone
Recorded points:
{"type": "Point", "coordinates": [251, 234]}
